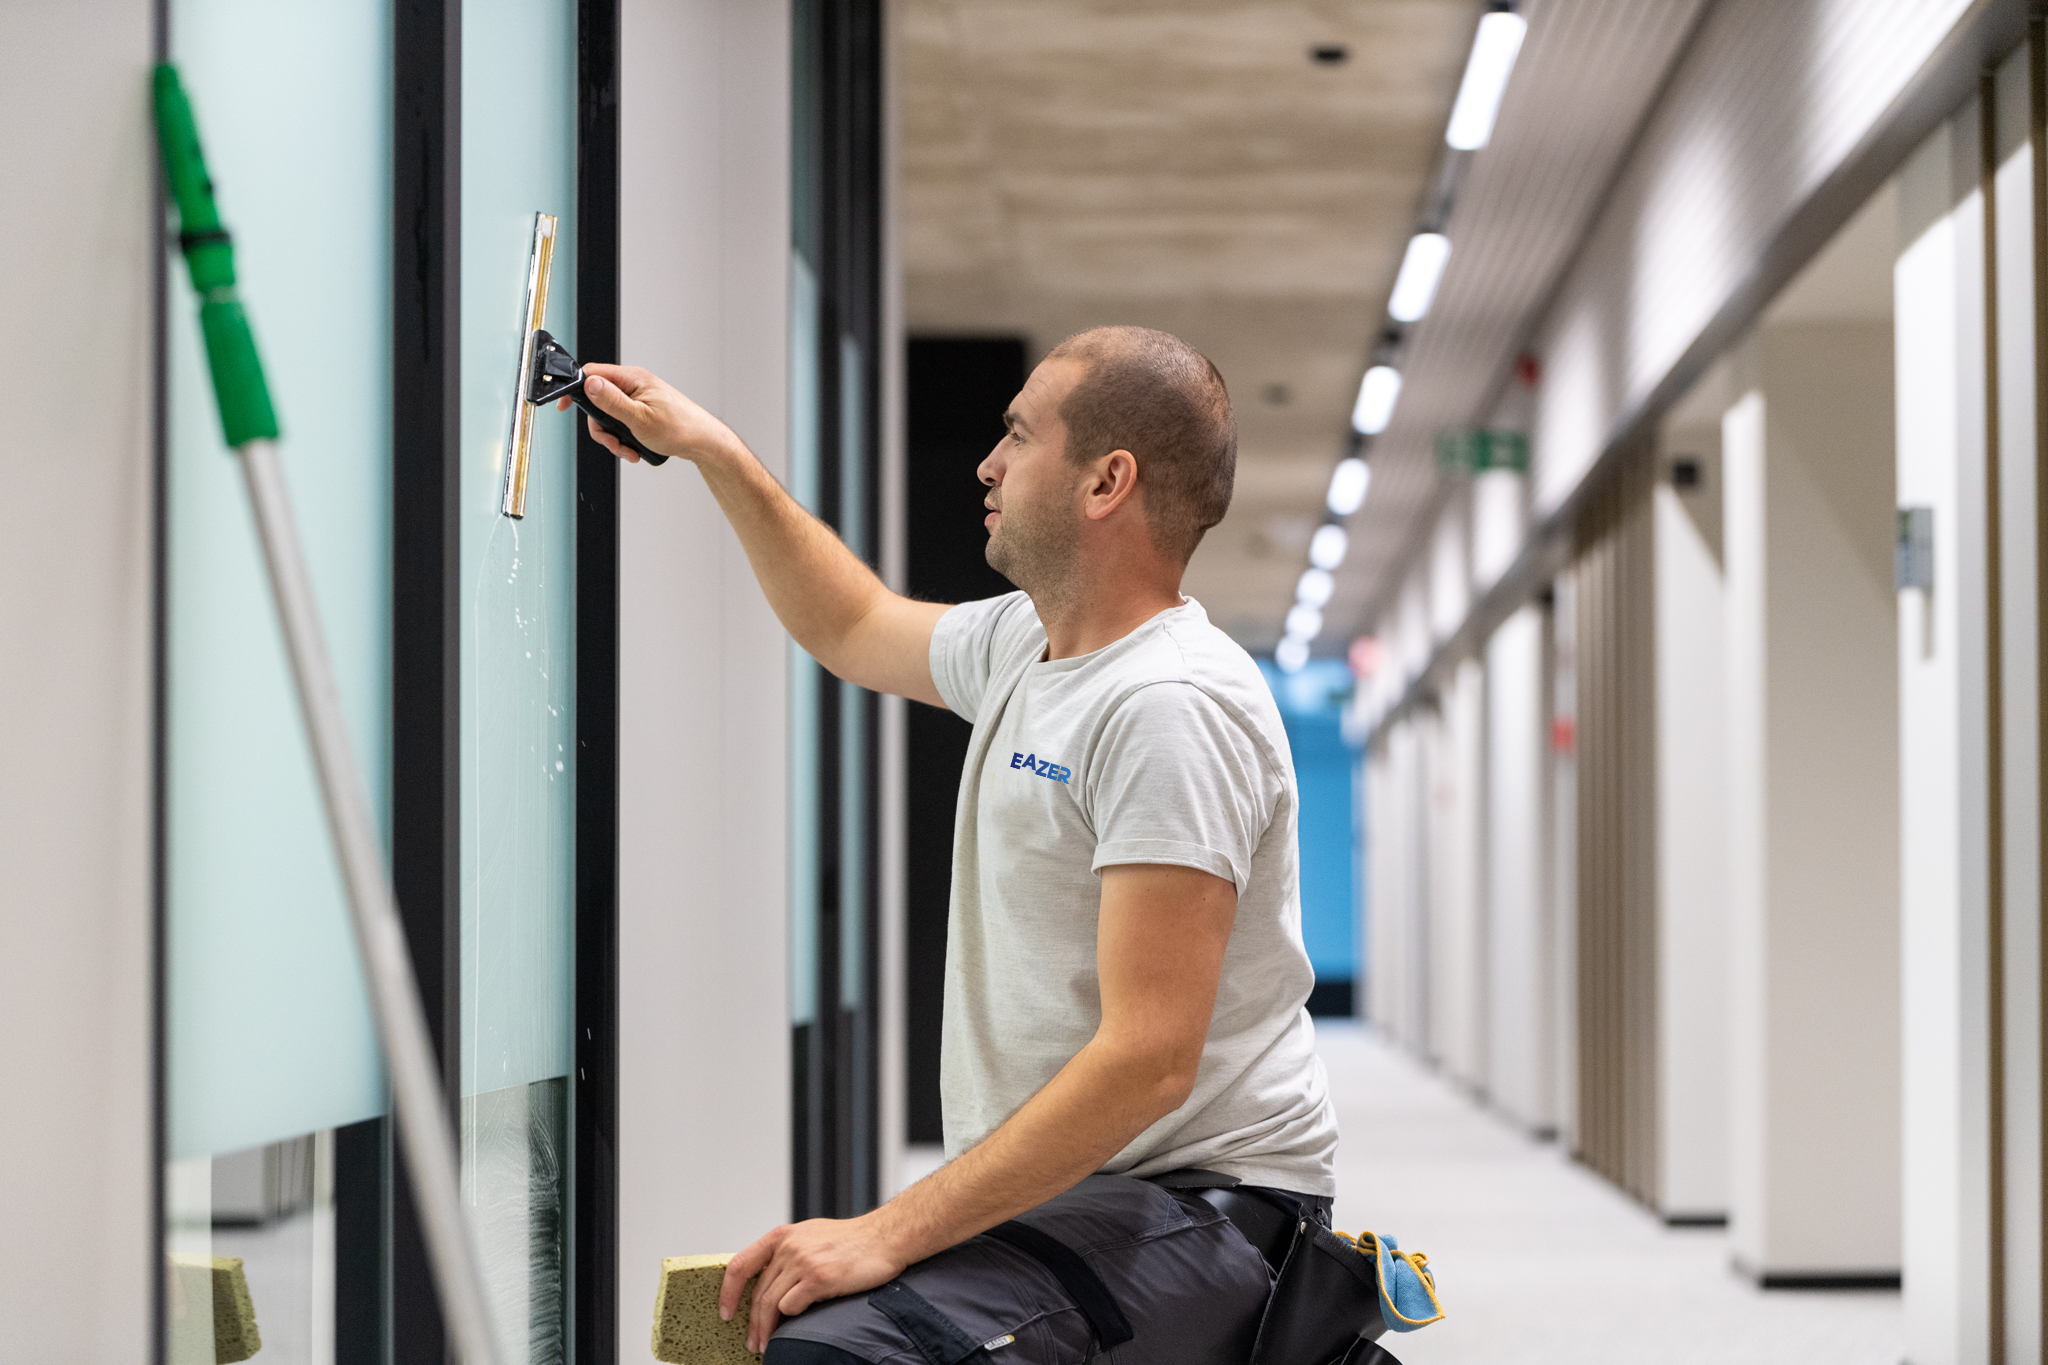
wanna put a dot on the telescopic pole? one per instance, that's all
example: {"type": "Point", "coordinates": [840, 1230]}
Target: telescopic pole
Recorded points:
{"type": "Point", "coordinates": [426, 1138]}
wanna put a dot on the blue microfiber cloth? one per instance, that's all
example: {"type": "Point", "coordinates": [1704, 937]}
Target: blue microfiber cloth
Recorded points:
{"type": "Point", "coordinates": [1407, 1285]}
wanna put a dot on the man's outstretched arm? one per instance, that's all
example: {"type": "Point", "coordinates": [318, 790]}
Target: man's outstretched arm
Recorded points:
{"type": "Point", "coordinates": [831, 603]}
{"type": "Point", "coordinates": [1159, 955]}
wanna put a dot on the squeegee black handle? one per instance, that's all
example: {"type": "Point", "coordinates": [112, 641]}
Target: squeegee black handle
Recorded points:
{"type": "Point", "coordinates": [617, 428]}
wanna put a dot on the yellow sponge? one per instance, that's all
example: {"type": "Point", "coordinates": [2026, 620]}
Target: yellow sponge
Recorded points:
{"type": "Point", "coordinates": [216, 1282]}
{"type": "Point", "coordinates": [687, 1328]}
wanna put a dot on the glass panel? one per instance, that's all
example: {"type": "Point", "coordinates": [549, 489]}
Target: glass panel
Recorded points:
{"type": "Point", "coordinates": [269, 1028]}
{"type": "Point", "coordinates": [805, 677]}
{"type": "Point", "coordinates": [268, 1037]}
{"type": "Point", "coordinates": [519, 681]}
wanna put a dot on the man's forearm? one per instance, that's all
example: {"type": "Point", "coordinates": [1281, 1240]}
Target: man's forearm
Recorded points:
{"type": "Point", "coordinates": [820, 590]}
{"type": "Point", "coordinates": [831, 602]}
{"type": "Point", "coordinates": [1090, 1111]}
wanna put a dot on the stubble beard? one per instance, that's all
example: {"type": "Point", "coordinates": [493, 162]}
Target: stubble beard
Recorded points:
{"type": "Point", "coordinates": [1035, 554]}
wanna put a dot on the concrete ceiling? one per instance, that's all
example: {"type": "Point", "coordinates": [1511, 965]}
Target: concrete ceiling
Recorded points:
{"type": "Point", "coordinates": [1186, 165]}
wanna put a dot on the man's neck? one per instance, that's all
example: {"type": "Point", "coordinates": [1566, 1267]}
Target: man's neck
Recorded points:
{"type": "Point", "coordinates": [1082, 622]}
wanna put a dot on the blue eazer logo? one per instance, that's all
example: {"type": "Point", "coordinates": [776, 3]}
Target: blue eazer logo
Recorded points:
{"type": "Point", "coordinates": [1042, 767]}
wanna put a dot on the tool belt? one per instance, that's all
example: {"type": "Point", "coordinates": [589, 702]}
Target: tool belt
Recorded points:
{"type": "Point", "coordinates": [1333, 1295]}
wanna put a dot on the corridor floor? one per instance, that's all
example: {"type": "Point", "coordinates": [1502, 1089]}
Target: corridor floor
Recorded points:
{"type": "Point", "coordinates": [1541, 1261]}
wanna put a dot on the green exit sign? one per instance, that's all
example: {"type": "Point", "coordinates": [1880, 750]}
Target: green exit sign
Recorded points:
{"type": "Point", "coordinates": [1473, 450]}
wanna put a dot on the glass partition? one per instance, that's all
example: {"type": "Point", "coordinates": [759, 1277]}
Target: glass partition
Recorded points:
{"type": "Point", "coordinates": [518, 678]}
{"type": "Point", "coordinates": [269, 1047]}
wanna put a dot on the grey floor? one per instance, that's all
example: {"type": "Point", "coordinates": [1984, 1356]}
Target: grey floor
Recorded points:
{"type": "Point", "coordinates": [1541, 1261]}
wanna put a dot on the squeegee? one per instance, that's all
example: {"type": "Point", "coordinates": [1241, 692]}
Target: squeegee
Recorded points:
{"type": "Point", "coordinates": [426, 1138]}
{"type": "Point", "coordinates": [546, 372]}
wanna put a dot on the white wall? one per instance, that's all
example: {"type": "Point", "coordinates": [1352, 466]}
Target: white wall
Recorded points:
{"type": "Point", "coordinates": [1450, 567]}
{"type": "Point", "coordinates": [1519, 971]}
{"type": "Point", "coordinates": [1813, 804]}
{"type": "Point", "coordinates": [1562, 838]}
{"type": "Point", "coordinates": [1939, 329]}
{"type": "Point", "coordinates": [1397, 923]}
{"type": "Point", "coordinates": [1457, 928]}
{"type": "Point", "coordinates": [2019, 724]}
{"type": "Point", "coordinates": [1500, 501]}
{"type": "Point", "coordinates": [77, 1268]}
{"type": "Point", "coordinates": [704, 1159]}
{"type": "Point", "coordinates": [1692, 862]}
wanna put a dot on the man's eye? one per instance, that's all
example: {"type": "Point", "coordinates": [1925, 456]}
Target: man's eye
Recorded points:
{"type": "Point", "coordinates": [1018, 437]}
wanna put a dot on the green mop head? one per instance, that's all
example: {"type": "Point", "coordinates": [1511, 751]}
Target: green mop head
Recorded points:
{"type": "Point", "coordinates": [245, 412]}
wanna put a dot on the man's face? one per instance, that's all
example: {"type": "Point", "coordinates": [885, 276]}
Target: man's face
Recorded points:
{"type": "Point", "coordinates": [1034, 524]}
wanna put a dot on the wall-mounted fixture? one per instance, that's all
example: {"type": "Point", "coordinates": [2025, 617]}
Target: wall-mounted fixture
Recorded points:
{"type": "Point", "coordinates": [1913, 550]}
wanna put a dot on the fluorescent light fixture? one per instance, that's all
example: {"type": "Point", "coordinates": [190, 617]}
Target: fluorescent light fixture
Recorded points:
{"type": "Point", "coordinates": [1304, 621]}
{"type": "Point", "coordinates": [1348, 483]}
{"type": "Point", "coordinates": [1315, 587]}
{"type": "Point", "coordinates": [1421, 267]}
{"type": "Point", "coordinates": [1376, 396]}
{"type": "Point", "coordinates": [1326, 549]}
{"type": "Point", "coordinates": [1291, 654]}
{"type": "Point", "coordinates": [1494, 50]}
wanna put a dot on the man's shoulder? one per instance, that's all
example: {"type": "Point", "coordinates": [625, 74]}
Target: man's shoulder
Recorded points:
{"type": "Point", "coordinates": [1194, 650]}
{"type": "Point", "coordinates": [1190, 667]}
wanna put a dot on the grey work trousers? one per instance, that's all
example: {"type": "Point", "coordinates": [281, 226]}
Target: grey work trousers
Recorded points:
{"type": "Point", "coordinates": [1181, 1285]}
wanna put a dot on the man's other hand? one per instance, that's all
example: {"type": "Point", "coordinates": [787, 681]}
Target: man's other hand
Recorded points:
{"type": "Point", "coordinates": [805, 1263]}
{"type": "Point", "coordinates": [666, 420]}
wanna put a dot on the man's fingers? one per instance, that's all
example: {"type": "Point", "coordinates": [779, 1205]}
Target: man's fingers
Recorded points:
{"type": "Point", "coordinates": [774, 1284]}
{"type": "Point", "coordinates": [630, 379]}
{"type": "Point", "coordinates": [802, 1296]}
{"type": "Point", "coordinates": [740, 1269]}
{"type": "Point", "coordinates": [611, 442]}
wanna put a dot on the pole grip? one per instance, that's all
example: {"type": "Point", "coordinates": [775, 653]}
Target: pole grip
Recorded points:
{"type": "Point", "coordinates": [239, 388]}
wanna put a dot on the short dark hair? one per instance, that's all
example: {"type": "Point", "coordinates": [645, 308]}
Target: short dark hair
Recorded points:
{"type": "Point", "coordinates": [1161, 399]}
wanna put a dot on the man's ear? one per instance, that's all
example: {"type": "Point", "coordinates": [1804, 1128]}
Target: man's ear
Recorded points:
{"type": "Point", "coordinates": [1116, 482]}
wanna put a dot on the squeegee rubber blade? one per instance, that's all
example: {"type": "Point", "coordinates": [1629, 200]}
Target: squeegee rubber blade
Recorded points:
{"type": "Point", "coordinates": [540, 261]}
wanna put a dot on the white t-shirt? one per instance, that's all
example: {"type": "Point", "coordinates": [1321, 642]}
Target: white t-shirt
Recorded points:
{"type": "Point", "coordinates": [1164, 747]}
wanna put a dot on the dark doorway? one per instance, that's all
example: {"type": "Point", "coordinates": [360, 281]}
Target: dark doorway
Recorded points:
{"type": "Point", "coordinates": [956, 390]}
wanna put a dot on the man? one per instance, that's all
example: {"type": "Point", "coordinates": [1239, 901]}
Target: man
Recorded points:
{"type": "Point", "coordinates": [1125, 973]}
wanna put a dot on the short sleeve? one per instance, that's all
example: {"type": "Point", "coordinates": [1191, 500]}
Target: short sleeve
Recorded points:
{"type": "Point", "coordinates": [1175, 780]}
{"type": "Point", "coordinates": [965, 645]}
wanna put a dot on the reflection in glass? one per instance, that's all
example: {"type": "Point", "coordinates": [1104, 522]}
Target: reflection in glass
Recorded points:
{"type": "Point", "coordinates": [249, 1263]}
